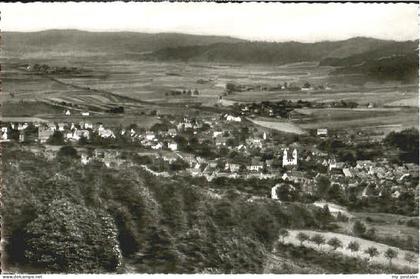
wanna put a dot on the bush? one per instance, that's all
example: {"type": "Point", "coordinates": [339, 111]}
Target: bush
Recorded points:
{"type": "Point", "coordinates": [69, 238]}
{"type": "Point", "coordinates": [68, 151]}
{"type": "Point", "coordinates": [359, 228]}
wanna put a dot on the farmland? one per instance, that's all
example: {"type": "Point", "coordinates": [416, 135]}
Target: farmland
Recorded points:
{"type": "Point", "coordinates": [142, 86]}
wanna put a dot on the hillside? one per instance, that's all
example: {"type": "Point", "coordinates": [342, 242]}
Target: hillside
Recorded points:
{"type": "Point", "coordinates": [397, 61]}
{"type": "Point", "coordinates": [114, 43]}
{"type": "Point", "coordinates": [366, 58]}
{"type": "Point", "coordinates": [271, 52]}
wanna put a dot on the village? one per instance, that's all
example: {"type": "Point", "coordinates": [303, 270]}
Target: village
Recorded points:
{"type": "Point", "coordinates": [217, 147]}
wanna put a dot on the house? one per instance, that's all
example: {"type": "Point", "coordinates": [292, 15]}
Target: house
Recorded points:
{"type": "Point", "coordinates": [287, 161]}
{"type": "Point", "coordinates": [231, 118]}
{"type": "Point", "coordinates": [255, 165]}
{"type": "Point", "coordinates": [67, 112]}
{"type": "Point", "coordinates": [274, 195]}
{"type": "Point", "coordinates": [364, 164]}
{"type": "Point", "coordinates": [21, 136]}
{"type": "Point", "coordinates": [85, 113]}
{"type": "Point", "coordinates": [83, 133]}
{"type": "Point", "coordinates": [254, 142]}
{"type": "Point", "coordinates": [220, 141]}
{"type": "Point", "coordinates": [172, 132]}
{"type": "Point", "coordinates": [296, 176]}
{"type": "Point", "coordinates": [347, 172]}
{"type": "Point", "coordinates": [232, 167]}
{"type": "Point", "coordinates": [87, 125]}
{"type": "Point", "coordinates": [269, 163]}
{"type": "Point", "coordinates": [157, 146]}
{"type": "Point", "coordinates": [84, 159]}
{"type": "Point", "coordinates": [22, 127]}
{"type": "Point", "coordinates": [61, 126]}
{"type": "Point", "coordinates": [241, 147]}
{"type": "Point", "coordinates": [105, 133]}
{"type": "Point", "coordinates": [3, 137]}
{"type": "Point", "coordinates": [173, 146]}
{"type": "Point", "coordinates": [396, 194]}
{"type": "Point", "coordinates": [44, 133]}
{"type": "Point", "coordinates": [217, 134]}
{"type": "Point", "coordinates": [334, 165]}
{"type": "Point", "coordinates": [322, 132]}
{"type": "Point", "coordinates": [150, 136]}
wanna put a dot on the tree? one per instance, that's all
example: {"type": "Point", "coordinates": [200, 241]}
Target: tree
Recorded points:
{"type": "Point", "coordinates": [66, 237]}
{"type": "Point", "coordinates": [335, 243]}
{"type": "Point", "coordinates": [230, 87]}
{"type": "Point", "coordinates": [335, 193]}
{"type": "Point", "coordinates": [318, 239]}
{"type": "Point", "coordinates": [359, 228]}
{"type": "Point", "coordinates": [353, 246]}
{"type": "Point", "coordinates": [409, 257]}
{"type": "Point", "coordinates": [178, 165]}
{"type": "Point", "coordinates": [283, 233]}
{"type": "Point", "coordinates": [68, 151]}
{"type": "Point", "coordinates": [390, 254]}
{"type": "Point", "coordinates": [302, 237]}
{"type": "Point", "coordinates": [370, 233]}
{"type": "Point", "coordinates": [160, 253]}
{"type": "Point", "coordinates": [57, 138]}
{"type": "Point", "coordinates": [322, 185]}
{"type": "Point", "coordinates": [83, 140]}
{"type": "Point", "coordinates": [372, 252]}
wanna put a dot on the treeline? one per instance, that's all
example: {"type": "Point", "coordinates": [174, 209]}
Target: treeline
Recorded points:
{"type": "Point", "coordinates": [405, 144]}
{"type": "Point", "coordinates": [60, 216]}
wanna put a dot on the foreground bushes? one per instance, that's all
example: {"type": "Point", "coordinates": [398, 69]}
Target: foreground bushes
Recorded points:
{"type": "Point", "coordinates": [60, 216]}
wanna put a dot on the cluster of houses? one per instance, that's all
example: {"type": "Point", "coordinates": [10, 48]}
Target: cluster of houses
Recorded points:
{"type": "Point", "coordinates": [380, 174]}
{"type": "Point", "coordinates": [285, 162]}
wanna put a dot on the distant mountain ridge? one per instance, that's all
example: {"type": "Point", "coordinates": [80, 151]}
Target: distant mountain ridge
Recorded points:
{"type": "Point", "coordinates": [374, 58]}
{"type": "Point", "coordinates": [281, 53]}
{"type": "Point", "coordinates": [107, 42]}
{"type": "Point", "coordinates": [371, 58]}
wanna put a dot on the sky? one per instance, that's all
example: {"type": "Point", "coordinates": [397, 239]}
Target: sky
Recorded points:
{"type": "Point", "coordinates": [253, 21]}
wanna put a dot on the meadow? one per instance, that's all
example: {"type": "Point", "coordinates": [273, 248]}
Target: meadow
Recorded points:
{"type": "Point", "coordinates": [346, 239]}
{"type": "Point", "coordinates": [143, 86]}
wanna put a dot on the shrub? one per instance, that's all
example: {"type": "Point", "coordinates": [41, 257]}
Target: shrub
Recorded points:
{"type": "Point", "coordinates": [318, 239]}
{"type": "Point", "coordinates": [335, 243]}
{"type": "Point", "coordinates": [372, 252]}
{"type": "Point", "coordinates": [359, 228]}
{"type": "Point", "coordinates": [70, 238]}
{"type": "Point", "coordinates": [353, 246]}
{"type": "Point", "coordinates": [390, 254]}
{"type": "Point", "coordinates": [302, 237]}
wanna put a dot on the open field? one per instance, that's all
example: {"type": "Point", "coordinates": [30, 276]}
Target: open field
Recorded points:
{"type": "Point", "coordinates": [381, 95]}
{"type": "Point", "coordinates": [377, 118]}
{"type": "Point", "coordinates": [364, 244]}
{"type": "Point", "coordinates": [282, 126]}
{"type": "Point", "coordinates": [385, 225]}
{"type": "Point", "coordinates": [142, 86]}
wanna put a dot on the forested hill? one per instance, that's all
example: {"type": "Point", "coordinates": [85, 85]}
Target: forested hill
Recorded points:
{"type": "Point", "coordinates": [111, 43]}
{"type": "Point", "coordinates": [367, 57]}
{"type": "Point", "coordinates": [371, 58]}
{"type": "Point", "coordinates": [275, 52]}
{"type": "Point", "coordinates": [397, 61]}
